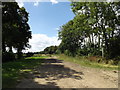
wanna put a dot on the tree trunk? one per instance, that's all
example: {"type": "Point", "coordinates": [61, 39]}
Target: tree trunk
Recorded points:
{"type": "Point", "coordinates": [102, 46]}
{"type": "Point", "coordinates": [106, 43]}
{"type": "Point", "coordinates": [99, 41]}
{"type": "Point", "coordinates": [10, 49]}
{"type": "Point", "coordinates": [3, 46]}
{"type": "Point", "coordinates": [19, 53]}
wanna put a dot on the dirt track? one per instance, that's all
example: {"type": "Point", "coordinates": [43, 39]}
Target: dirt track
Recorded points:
{"type": "Point", "coordinates": [60, 74]}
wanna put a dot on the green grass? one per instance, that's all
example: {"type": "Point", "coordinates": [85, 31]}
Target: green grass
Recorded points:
{"type": "Point", "coordinates": [12, 72]}
{"type": "Point", "coordinates": [85, 62]}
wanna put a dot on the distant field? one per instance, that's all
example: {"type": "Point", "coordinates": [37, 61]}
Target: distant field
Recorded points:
{"type": "Point", "coordinates": [85, 62]}
{"type": "Point", "coordinates": [12, 72]}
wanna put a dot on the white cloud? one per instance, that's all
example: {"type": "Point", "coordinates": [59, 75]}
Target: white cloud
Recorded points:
{"type": "Point", "coordinates": [54, 1]}
{"type": "Point", "coordinates": [20, 3]}
{"type": "Point", "coordinates": [36, 3]}
{"type": "Point", "coordinates": [40, 41]}
{"type": "Point", "coordinates": [57, 29]}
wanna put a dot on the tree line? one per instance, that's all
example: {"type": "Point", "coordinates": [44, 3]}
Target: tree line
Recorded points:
{"type": "Point", "coordinates": [50, 50]}
{"type": "Point", "coordinates": [95, 30]}
{"type": "Point", "coordinates": [15, 30]}
{"type": "Point", "coordinates": [47, 50]}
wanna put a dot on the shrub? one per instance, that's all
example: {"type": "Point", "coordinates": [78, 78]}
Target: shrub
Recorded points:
{"type": "Point", "coordinates": [8, 56]}
{"type": "Point", "coordinates": [29, 54]}
{"type": "Point", "coordinates": [68, 53]}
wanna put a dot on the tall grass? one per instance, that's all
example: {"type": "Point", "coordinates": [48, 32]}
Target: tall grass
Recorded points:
{"type": "Point", "coordinates": [84, 61]}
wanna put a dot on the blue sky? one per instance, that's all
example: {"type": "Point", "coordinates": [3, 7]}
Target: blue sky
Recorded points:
{"type": "Point", "coordinates": [44, 19]}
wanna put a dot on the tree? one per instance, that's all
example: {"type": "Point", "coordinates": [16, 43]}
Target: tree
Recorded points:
{"type": "Point", "coordinates": [15, 31]}
{"type": "Point", "coordinates": [94, 29]}
{"type": "Point", "coordinates": [50, 50]}
{"type": "Point", "coordinates": [24, 33]}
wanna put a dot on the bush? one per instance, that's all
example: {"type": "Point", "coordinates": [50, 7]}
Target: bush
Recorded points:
{"type": "Point", "coordinates": [8, 56]}
{"type": "Point", "coordinates": [116, 60]}
{"type": "Point", "coordinates": [68, 53]}
{"type": "Point", "coordinates": [58, 51]}
{"type": "Point", "coordinates": [29, 54]}
{"type": "Point", "coordinates": [82, 52]}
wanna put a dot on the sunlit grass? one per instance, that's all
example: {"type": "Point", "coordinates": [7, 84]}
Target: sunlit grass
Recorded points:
{"type": "Point", "coordinates": [85, 62]}
{"type": "Point", "coordinates": [41, 57]}
{"type": "Point", "coordinates": [13, 71]}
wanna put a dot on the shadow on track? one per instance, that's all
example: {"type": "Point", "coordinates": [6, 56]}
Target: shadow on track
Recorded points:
{"type": "Point", "coordinates": [50, 71]}
{"type": "Point", "coordinates": [54, 68]}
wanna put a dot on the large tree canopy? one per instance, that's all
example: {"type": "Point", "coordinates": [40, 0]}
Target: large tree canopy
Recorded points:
{"type": "Point", "coordinates": [16, 31]}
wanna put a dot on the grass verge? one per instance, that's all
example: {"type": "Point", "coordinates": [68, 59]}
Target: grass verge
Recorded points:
{"type": "Point", "coordinates": [85, 62]}
{"type": "Point", "coordinates": [13, 72]}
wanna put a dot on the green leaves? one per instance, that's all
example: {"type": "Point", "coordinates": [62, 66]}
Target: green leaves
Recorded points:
{"type": "Point", "coordinates": [15, 32]}
{"type": "Point", "coordinates": [93, 26]}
